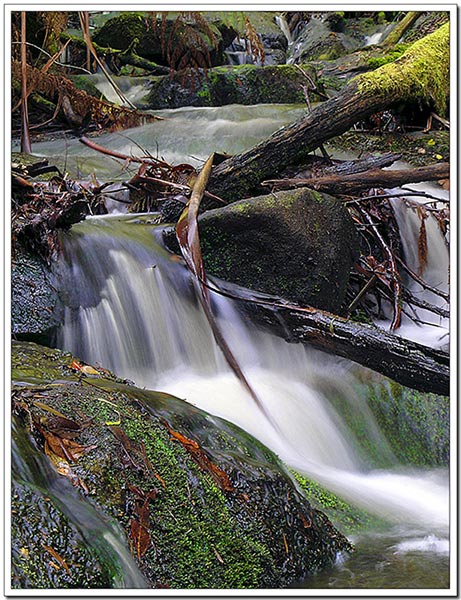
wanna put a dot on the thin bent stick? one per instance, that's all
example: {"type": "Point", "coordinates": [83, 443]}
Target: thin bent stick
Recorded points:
{"type": "Point", "coordinates": [188, 237]}
{"type": "Point", "coordinates": [84, 22]}
{"type": "Point", "coordinates": [26, 145]}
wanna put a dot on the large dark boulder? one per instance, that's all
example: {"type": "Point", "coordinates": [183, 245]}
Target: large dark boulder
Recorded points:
{"type": "Point", "coordinates": [318, 41]}
{"type": "Point", "coordinates": [296, 244]}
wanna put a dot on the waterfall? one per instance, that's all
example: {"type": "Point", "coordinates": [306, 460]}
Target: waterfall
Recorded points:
{"type": "Point", "coordinates": [132, 309]}
{"type": "Point", "coordinates": [282, 23]}
{"type": "Point", "coordinates": [134, 93]}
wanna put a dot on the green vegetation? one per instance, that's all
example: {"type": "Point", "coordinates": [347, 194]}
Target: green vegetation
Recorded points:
{"type": "Point", "coordinates": [421, 72]}
{"type": "Point", "coordinates": [379, 61]}
{"type": "Point", "coordinates": [348, 518]}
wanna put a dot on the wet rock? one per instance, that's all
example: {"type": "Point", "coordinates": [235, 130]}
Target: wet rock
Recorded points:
{"type": "Point", "coordinates": [317, 41]}
{"type": "Point", "coordinates": [296, 244]}
{"type": "Point", "coordinates": [243, 84]}
{"type": "Point", "coordinates": [36, 311]}
{"type": "Point", "coordinates": [217, 508]}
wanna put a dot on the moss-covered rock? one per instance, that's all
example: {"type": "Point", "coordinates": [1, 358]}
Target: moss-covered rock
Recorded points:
{"type": "Point", "coordinates": [35, 307]}
{"type": "Point", "coordinates": [417, 425]}
{"type": "Point", "coordinates": [242, 84]}
{"type": "Point", "coordinates": [348, 518]}
{"type": "Point", "coordinates": [85, 83]}
{"type": "Point", "coordinates": [167, 41]}
{"type": "Point", "coordinates": [298, 244]}
{"type": "Point", "coordinates": [216, 508]}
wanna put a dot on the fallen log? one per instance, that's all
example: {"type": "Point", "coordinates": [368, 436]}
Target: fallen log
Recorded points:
{"type": "Point", "coordinates": [348, 185]}
{"type": "Point", "coordinates": [406, 362]}
{"type": "Point", "coordinates": [394, 36]}
{"type": "Point", "coordinates": [361, 165]}
{"type": "Point", "coordinates": [420, 75]}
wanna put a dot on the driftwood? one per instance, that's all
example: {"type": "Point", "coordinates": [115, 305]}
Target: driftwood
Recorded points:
{"type": "Point", "coordinates": [416, 77]}
{"type": "Point", "coordinates": [344, 185]}
{"type": "Point", "coordinates": [406, 362]}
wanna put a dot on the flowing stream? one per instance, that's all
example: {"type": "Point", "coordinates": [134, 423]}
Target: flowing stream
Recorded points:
{"type": "Point", "coordinates": [132, 309]}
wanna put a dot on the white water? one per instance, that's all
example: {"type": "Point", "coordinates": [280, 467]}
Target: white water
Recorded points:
{"type": "Point", "coordinates": [131, 314]}
{"type": "Point", "coordinates": [133, 92]}
{"type": "Point", "coordinates": [186, 135]}
{"type": "Point", "coordinates": [435, 272]}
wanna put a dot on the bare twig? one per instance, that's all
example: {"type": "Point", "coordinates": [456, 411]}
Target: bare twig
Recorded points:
{"type": "Point", "coordinates": [395, 274]}
{"type": "Point", "coordinates": [423, 283]}
{"type": "Point", "coordinates": [26, 145]}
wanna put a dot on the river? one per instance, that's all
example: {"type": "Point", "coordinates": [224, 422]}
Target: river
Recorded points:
{"type": "Point", "coordinates": [130, 309]}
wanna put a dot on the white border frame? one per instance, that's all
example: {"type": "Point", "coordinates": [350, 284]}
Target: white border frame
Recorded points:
{"type": "Point", "coordinates": [5, 304]}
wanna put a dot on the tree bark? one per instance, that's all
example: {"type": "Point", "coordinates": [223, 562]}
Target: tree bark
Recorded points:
{"type": "Point", "coordinates": [345, 185]}
{"type": "Point", "coordinates": [410, 364]}
{"type": "Point", "coordinates": [421, 75]}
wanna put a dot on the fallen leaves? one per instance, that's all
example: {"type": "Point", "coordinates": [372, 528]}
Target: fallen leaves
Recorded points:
{"type": "Point", "coordinates": [422, 240]}
{"type": "Point", "coordinates": [140, 523]}
{"type": "Point", "coordinates": [83, 368]}
{"type": "Point", "coordinates": [61, 562]}
{"type": "Point", "coordinates": [219, 476]}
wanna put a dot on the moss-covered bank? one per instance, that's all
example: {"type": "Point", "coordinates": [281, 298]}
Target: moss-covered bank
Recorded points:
{"type": "Point", "coordinates": [216, 508]}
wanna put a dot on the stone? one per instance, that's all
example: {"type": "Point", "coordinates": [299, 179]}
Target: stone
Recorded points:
{"type": "Point", "coordinates": [299, 245]}
{"type": "Point", "coordinates": [36, 311]}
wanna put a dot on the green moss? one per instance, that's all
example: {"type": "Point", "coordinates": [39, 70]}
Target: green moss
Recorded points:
{"type": "Point", "coordinates": [82, 82]}
{"type": "Point", "coordinates": [119, 31]}
{"type": "Point", "coordinates": [421, 72]}
{"type": "Point", "coordinates": [379, 61]}
{"type": "Point", "coordinates": [348, 518]}
{"type": "Point", "coordinates": [415, 424]}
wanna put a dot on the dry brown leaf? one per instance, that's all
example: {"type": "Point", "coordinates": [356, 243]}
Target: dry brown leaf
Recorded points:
{"type": "Point", "coordinates": [219, 476]}
{"type": "Point", "coordinates": [139, 532]}
{"type": "Point", "coordinates": [57, 556]}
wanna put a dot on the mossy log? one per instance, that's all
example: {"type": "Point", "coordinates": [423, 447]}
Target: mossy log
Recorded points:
{"type": "Point", "coordinates": [122, 57]}
{"type": "Point", "coordinates": [344, 185]}
{"type": "Point", "coordinates": [408, 363]}
{"type": "Point", "coordinates": [420, 75]}
{"type": "Point", "coordinates": [398, 31]}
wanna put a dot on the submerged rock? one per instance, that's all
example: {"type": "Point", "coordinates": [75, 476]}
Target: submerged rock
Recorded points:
{"type": "Point", "coordinates": [296, 244]}
{"type": "Point", "coordinates": [199, 502]}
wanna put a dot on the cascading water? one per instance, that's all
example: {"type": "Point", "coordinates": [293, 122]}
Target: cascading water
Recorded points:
{"type": "Point", "coordinates": [131, 308]}
{"type": "Point", "coordinates": [185, 135]}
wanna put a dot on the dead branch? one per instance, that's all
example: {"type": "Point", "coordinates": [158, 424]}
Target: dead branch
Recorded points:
{"type": "Point", "coordinates": [349, 185]}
